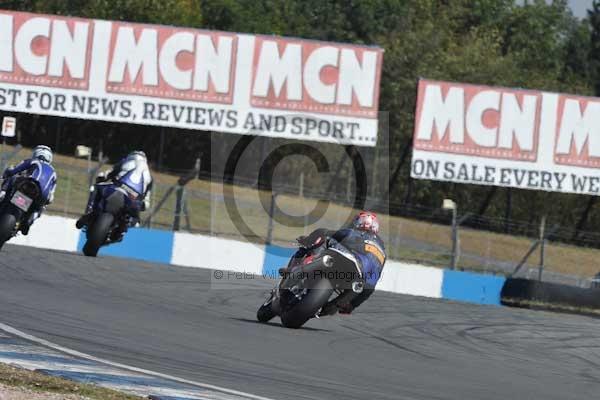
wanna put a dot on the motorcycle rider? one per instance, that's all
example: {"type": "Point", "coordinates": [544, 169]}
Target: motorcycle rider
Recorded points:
{"type": "Point", "coordinates": [41, 158]}
{"type": "Point", "coordinates": [132, 171]}
{"type": "Point", "coordinates": [362, 239]}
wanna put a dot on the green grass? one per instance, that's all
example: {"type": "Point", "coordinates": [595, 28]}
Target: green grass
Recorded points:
{"type": "Point", "coordinates": [37, 382]}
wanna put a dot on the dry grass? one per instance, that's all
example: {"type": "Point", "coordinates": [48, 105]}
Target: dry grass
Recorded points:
{"type": "Point", "coordinates": [32, 384]}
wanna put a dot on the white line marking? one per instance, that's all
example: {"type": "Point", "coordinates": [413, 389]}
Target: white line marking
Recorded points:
{"type": "Point", "coordinates": [76, 353]}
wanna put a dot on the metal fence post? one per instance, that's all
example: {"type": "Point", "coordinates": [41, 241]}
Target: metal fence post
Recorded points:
{"type": "Point", "coordinates": [454, 259]}
{"type": "Point", "coordinates": [213, 215]}
{"type": "Point", "coordinates": [188, 222]}
{"type": "Point", "coordinates": [178, 207]}
{"type": "Point", "coordinates": [68, 196]}
{"type": "Point", "coordinates": [271, 217]}
{"type": "Point", "coordinates": [542, 247]}
{"type": "Point", "coordinates": [349, 190]}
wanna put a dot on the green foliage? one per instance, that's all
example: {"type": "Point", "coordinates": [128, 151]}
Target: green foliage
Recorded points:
{"type": "Point", "coordinates": [169, 12]}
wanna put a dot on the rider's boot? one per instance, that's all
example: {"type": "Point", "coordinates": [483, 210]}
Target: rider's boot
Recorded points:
{"type": "Point", "coordinates": [83, 220]}
{"type": "Point", "coordinates": [117, 238]}
{"type": "Point", "coordinates": [25, 228]}
{"type": "Point", "coordinates": [27, 224]}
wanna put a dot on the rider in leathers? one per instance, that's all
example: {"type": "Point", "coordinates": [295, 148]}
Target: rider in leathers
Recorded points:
{"type": "Point", "coordinates": [363, 241]}
{"type": "Point", "coordinates": [41, 160]}
{"type": "Point", "coordinates": [132, 171]}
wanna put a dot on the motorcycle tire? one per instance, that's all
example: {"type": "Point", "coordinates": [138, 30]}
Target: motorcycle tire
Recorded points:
{"type": "Point", "coordinates": [97, 234]}
{"type": "Point", "coordinates": [265, 313]}
{"type": "Point", "coordinates": [7, 227]}
{"type": "Point", "coordinates": [313, 300]}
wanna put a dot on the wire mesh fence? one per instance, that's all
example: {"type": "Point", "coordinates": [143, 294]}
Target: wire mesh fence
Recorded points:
{"type": "Point", "coordinates": [244, 210]}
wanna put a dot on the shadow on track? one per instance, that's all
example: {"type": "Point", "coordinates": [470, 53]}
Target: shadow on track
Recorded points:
{"type": "Point", "coordinates": [276, 325]}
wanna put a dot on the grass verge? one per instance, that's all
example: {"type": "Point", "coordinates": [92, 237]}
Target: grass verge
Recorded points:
{"type": "Point", "coordinates": [37, 382]}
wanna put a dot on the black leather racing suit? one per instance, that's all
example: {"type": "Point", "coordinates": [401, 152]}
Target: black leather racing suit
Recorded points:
{"type": "Point", "coordinates": [366, 246]}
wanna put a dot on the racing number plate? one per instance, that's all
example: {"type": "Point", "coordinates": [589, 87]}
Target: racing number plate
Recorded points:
{"type": "Point", "coordinates": [376, 251]}
{"type": "Point", "coordinates": [22, 201]}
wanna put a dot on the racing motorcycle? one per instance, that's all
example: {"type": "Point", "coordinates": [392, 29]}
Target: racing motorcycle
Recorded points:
{"type": "Point", "coordinates": [111, 216]}
{"type": "Point", "coordinates": [313, 285]}
{"type": "Point", "coordinates": [26, 193]}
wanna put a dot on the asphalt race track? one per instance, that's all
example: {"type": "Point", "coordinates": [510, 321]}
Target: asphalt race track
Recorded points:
{"type": "Point", "coordinates": [174, 321]}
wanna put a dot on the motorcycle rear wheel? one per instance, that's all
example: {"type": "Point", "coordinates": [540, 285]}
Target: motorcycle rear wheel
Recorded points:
{"type": "Point", "coordinates": [312, 301]}
{"type": "Point", "coordinates": [7, 227]}
{"type": "Point", "coordinates": [97, 234]}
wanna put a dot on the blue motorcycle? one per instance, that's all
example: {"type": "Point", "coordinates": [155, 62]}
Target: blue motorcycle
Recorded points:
{"type": "Point", "coordinates": [113, 212]}
{"type": "Point", "coordinates": [25, 194]}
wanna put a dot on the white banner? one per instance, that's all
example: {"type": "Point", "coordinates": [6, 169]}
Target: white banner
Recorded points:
{"type": "Point", "coordinates": [186, 78]}
{"type": "Point", "coordinates": [507, 137]}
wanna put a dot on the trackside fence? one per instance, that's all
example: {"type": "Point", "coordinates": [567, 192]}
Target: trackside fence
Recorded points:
{"type": "Point", "coordinates": [244, 210]}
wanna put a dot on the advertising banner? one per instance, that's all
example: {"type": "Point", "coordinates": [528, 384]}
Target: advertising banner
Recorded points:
{"type": "Point", "coordinates": [188, 78]}
{"type": "Point", "coordinates": [507, 137]}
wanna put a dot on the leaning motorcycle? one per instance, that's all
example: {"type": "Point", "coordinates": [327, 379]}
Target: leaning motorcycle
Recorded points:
{"type": "Point", "coordinates": [26, 193]}
{"type": "Point", "coordinates": [110, 217]}
{"type": "Point", "coordinates": [312, 285]}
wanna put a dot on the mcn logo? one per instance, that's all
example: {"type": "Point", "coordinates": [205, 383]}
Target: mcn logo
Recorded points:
{"type": "Point", "coordinates": [477, 121]}
{"type": "Point", "coordinates": [45, 51]}
{"type": "Point", "coordinates": [316, 77]}
{"type": "Point", "coordinates": [578, 132]}
{"type": "Point", "coordinates": [173, 63]}
{"type": "Point", "coordinates": [505, 123]}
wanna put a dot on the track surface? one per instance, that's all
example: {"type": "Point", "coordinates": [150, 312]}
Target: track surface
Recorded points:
{"type": "Point", "coordinates": [174, 321]}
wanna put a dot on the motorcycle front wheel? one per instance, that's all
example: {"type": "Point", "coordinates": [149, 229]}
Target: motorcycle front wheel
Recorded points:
{"type": "Point", "coordinates": [265, 313]}
{"type": "Point", "coordinates": [97, 233]}
{"type": "Point", "coordinates": [316, 297]}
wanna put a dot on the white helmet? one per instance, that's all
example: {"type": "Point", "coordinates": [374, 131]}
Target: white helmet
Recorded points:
{"type": "Point", "coordinates": [138, 155]}
{"type": "Point", "coordinates": [43, 153]}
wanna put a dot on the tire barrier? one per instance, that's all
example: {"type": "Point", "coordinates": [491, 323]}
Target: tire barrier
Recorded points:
{"type": "Point", "coordinates": [535, 294]}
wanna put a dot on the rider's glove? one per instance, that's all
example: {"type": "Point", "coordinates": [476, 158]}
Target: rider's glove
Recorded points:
{"type": "Point", "coordinates": [311, 242]}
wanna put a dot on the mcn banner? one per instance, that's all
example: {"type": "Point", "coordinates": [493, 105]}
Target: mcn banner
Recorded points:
{"type": "Point", "coordinates": [186, 78]}
{"type": "Point", "coordinates": [507, 137]}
